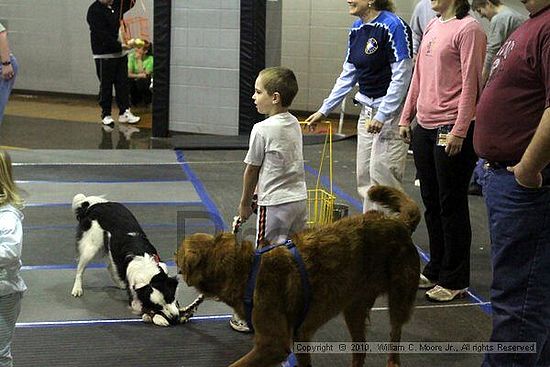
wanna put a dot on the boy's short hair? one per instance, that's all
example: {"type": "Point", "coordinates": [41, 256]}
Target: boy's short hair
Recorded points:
{"type": "Point", "coordinates": [282, 80]}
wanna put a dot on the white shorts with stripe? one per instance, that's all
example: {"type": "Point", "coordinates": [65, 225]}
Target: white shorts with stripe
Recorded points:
{"type": "Point", "coordinates": [276, 223]}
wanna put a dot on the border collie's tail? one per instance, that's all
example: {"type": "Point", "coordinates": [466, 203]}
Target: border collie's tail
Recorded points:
{"type": "Point", "coordinates": [397, 201]}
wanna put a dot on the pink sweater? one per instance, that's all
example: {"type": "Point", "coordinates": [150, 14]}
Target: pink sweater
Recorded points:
{"type": "Point", "coordinates": [446, 83]}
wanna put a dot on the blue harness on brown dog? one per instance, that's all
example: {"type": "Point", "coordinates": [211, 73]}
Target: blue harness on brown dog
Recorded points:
{"type": "Point", "coordinates": [251, 284]}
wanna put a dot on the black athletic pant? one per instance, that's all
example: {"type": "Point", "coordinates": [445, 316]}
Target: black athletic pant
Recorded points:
{"type": "Point", "coordinates": [113, 72]}
{"type": "Point", "coordinates": [444, 184]}
{"type": "Point", "coordinates": [139, 91]}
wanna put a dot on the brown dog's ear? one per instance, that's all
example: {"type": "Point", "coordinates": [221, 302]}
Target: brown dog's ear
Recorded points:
{"type": "Point", "coordinates": [190, 255]}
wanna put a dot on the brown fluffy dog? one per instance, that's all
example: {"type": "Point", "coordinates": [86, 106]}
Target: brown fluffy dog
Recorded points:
{"type": "Point", "coordinates": [349, 264]}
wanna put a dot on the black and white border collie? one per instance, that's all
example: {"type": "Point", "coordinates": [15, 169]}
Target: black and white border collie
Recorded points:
{"type": "Point", "coordinates": [133, 264]}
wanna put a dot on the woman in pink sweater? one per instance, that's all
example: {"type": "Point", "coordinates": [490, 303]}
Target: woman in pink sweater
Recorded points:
{"type": "Point", "coordinates": [444, 90]}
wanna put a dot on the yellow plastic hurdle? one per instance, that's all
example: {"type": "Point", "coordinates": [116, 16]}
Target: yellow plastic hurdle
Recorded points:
{"type": "Point", "coordinates": [320, 201]}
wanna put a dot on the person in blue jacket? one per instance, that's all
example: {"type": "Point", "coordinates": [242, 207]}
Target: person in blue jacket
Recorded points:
{"type": "Point", "coordinates": [379, 59]}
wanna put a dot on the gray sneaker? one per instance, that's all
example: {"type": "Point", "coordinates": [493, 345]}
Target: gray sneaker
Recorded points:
{"type": "Point", "coordinates": [239, 325]}
{"type": "Point", "coordinates": [425, 283]}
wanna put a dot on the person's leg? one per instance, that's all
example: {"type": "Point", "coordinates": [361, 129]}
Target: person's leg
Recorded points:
{"type": "Point", "coordinates": [105, 69]}
{"type": "Point", "coordinates": [453, 175]}
{"type": "Point", "coordinates": [6, 86]}
{"type": "Point", "coordinates": [121, 84]}
{"type": "Point", "coordinates": [281, 221]}
{"type": "Point", "coordinates": [10, 307]}
{"type": "Point", "coordinates": [135, 94]}
{"type": "Point", "coordinates": [363, 160]}
{"type": "Point", "coordinates": [142, 90]}
{"type": "Point", "coordinates": [388, 157]}
{"type": "Point", "coordinates": [147, 93]}
{"type": "Point", "coordinates": [519, 221]}
{"type": "Point", "coordinates": [423, 144]}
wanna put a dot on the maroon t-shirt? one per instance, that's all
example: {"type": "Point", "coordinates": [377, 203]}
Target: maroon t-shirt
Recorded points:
{"type": "Point", "coordinates": [517, 92]}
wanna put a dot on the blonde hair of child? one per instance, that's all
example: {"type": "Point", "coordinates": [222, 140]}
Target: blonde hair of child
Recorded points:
{"type": "Point", "coordinates": [9, 193]}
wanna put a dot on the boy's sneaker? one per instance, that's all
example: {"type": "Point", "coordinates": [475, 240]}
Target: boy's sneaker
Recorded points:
{"type": "Point", "coordinates": [128, 117]}
{"type": "Point", "coordinates": [108, 122]}
{"type": "Point", "coordinates": [239, 325]}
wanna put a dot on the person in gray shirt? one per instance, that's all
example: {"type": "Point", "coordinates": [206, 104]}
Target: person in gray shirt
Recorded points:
{"type": "Point", "coordinates": [503, 21]}
{"type": "Point", "coordinates": [421, 16]}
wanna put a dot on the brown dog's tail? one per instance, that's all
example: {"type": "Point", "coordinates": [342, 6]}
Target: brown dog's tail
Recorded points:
{"type": "Point", "coordinates": [398, 202]}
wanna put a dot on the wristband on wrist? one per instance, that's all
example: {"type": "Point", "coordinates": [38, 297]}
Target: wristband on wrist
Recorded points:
{"type": "Point", "coordinates": [6, 63]}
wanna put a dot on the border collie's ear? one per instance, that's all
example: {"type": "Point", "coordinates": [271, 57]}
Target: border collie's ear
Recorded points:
{"type": "Point", "coordinates": [81, 210]}
{"type": "Point", "coordinates": [78, 200]}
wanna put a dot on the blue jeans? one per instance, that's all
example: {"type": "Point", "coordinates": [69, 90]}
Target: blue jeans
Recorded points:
{"type": "Point", "coordinates": [6, 86]}
{"type": "Point", "coordinates": [10, 306]}
{"type": "Point", "coordinates": [519, 224]}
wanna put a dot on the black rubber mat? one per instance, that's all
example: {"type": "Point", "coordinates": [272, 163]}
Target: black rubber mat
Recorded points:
{"type": "Point", "coordinates": [130, 345]}
{"type": "Point", "coordinates": [211, 142]}
{"type": "Point", "coordinates": [212, 343]}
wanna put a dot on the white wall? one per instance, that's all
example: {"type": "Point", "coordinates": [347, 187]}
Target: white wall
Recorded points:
{"type": "Point", "coordinates": [51, 41]}
{"type": "Point", "coordinates": [314, 45]}
{"type": "Point", "coordinates": [204, 80]}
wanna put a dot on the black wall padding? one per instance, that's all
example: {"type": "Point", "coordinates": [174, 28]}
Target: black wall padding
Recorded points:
{"type": "Point", "coordinates": [252, 59]}
{"type": "Point", "coordinates": [161, 85]}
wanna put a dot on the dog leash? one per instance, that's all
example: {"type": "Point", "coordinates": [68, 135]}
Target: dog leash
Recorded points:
{"type": "Point", "coordinates": [251, 284]}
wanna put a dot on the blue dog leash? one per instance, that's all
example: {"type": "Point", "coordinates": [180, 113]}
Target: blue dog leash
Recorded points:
{"type": "Point", "coordinates": [251, 284]}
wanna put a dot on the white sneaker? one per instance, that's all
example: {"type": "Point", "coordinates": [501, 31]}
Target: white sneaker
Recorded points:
{"type": "Point", "coordinates": [108, 121]}
{"type": "Point", "coordinates": [239, 325]}
{"type": "Point", "coordinates": [425, 283]}
{"type": "Point", "coordinates": [128, 117]}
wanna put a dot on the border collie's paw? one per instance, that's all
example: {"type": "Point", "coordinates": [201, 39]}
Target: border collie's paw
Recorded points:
{"type": "Point", "coordinates": [160, 320]}
{"type": "Point", "coordinates": [77, 291]}
{"type": "Point", "coordinates": [147, 318]}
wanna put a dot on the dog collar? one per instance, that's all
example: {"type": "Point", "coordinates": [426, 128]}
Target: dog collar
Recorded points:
{"type": "Point", "coordinates": [156, 257]}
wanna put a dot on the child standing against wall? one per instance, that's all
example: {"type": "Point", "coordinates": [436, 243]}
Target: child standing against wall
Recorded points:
{"type": "Point", "coordinates": [12, 285]}
{"type": "Point", "coordinates": [274, 165]}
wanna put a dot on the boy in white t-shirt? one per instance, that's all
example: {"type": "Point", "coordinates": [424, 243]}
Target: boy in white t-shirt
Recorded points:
{"type": "Point", "coordinates": [274, 165]}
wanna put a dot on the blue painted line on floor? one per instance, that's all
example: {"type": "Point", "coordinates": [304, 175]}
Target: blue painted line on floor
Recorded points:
{"type": "Point", "coordinates": [73, 266]}
{"type": "Point", "coordinates": [325, 181]}
{"type": "Point", "coordinates": [99, 322]}
{"type": "Point", "coordinates": [201, 191]}
{"type": "Point", "coordinates": [144, 203]}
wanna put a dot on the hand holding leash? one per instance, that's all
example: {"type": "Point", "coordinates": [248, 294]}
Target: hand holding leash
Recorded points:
{"type": "Point", "coordinates": [237, 223]}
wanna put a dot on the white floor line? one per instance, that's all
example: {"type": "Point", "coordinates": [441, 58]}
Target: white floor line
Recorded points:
{"type": "Point", "coordinates": [449, 305]}
{"type": "Point", "coordinates": [203, 317]}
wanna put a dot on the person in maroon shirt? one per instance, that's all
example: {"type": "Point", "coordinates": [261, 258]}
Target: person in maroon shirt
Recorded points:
{"type": "Point", "coordinates": [513, 134]}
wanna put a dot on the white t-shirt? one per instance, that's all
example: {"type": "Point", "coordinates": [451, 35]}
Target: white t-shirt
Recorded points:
{"type": "Point", "coordinates": [276, 145]}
